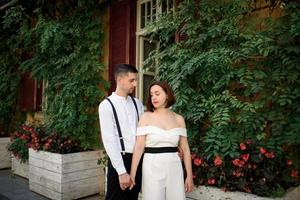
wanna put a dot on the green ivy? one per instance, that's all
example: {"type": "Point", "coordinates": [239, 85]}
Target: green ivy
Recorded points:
{"type": "Point", "coordinates": [9, 73]}
{"type": "Point", "coordinates": [232, 81]}
{"type": "Point", "coordinates": [63, 42]}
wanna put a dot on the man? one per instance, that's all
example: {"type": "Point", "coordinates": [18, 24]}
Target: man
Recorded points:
{"type": "Point", "coordinates": [119, 115]}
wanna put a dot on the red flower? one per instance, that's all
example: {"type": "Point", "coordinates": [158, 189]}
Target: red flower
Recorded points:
{"type": "Point", "coordinates": [218, 161]}
{"type": "Point", "coordinates": [289, 162]}
{"type": "Point", "coordinates": [237, 173]}
{"type": "Point", "coordinates": [247, 189]}
{"type": "Point", "coordinates": [270, 155]}
{"type": "Point", "coordinates": [245, 157]}
{"type": "Point", "coordinates": [294, 173]}
{"type": "Point", "coordinates": [238, 162]}
{"type": "Point", "coordinates": [211, 181]}
{"type": "Point", "coordinates": [46, 146]}
{"type": "Point", "coordinates": [197, 161]}
{"type": "Point", "coordinates": [262, 150]}
{"type": "Point", "coordinates": [242, 146]}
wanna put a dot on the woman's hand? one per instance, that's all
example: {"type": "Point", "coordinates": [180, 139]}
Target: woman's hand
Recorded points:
{"type": "Point", "coordinates": [125, 181]}
{"type": "Point", "coordinates": [189, 184]}
{"type": "Point", "coordinates": [132, 178]}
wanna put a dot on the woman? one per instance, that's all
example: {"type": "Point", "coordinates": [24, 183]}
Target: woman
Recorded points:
{"type": "Point", "coordinates": [159, 133]}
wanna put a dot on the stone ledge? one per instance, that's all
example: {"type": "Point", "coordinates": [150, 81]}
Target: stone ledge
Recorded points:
{"type": "Point", "coordinates": [5, 160]}
{"type": "Point", "coordinates": [213, 193]}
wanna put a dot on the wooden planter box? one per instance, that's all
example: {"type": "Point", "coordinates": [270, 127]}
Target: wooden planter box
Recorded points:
{"type": "Point", "coordinates": [65, 176]}
{"type": "Point", "coordinates": [18, 168]}
{"type": "Point", "coordinates": [213, 193]}
{"type": "Point", "coordinates": [5, 160]}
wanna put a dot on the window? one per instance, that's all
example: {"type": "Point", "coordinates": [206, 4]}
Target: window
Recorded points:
{"type": "Point", "coordinates": [146, 75]}
{"type": "Point", "coordinates": [147, 12]}
{"type": "Point", "coordinates": [31, 94]}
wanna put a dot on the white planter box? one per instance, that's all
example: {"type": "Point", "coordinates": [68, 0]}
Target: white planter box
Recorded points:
{"type": "Point", "coordinates": [213, 193]}
{"type": "Point", "coordinates": [5, 160]}
{"type": "Point", "coordinates": [18, 168]}
{"type": "Point", "coordinates": [65, 176]}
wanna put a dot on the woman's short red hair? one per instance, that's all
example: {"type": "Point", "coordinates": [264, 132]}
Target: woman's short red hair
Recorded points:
{"type": "Point", "coordinates": [168, 90]}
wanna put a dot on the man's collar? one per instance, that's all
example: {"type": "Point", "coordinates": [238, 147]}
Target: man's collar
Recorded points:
{"type": "Point", "coordinates": [118, 97]}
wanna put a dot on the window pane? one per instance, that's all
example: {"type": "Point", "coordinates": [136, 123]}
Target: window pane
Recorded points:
{"type": "Point", "coordinates": [148, 48]}
{"type": "Point", "coordinates": [148, 7]}
{"type": "Point", "coordinates": [143, 14]}
{"type": "Point", "coordinates": [147, 80]}
{"type": "Point", "coordinates": [164, 6]}
{"type": "Point", "coordinates": [167, 6]}
{"type": "Point", "coordinates": [154, 10]}
{"type": "Point", "coordinates": [170, 5]}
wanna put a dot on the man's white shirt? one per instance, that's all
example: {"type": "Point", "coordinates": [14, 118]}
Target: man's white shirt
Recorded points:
{"type": "Point", "coordinates": [128, 120]}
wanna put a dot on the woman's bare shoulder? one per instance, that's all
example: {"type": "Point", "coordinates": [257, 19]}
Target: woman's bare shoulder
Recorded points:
{"type": "Point", "coordinates": [145, 118]}
{"type": "Point", "coordinates": [179, 120]}
{"type": "Point", "coordinates": [146, 114]}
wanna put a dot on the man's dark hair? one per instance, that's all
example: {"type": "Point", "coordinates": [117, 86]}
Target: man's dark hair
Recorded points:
{"type": "Point", "coordinates": [124, 69]}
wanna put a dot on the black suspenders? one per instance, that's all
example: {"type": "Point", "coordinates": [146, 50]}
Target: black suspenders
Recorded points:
{"type": "Point", "coordinates": [137, 111]}
{"type": "Point", "coordinates": [118, 124]}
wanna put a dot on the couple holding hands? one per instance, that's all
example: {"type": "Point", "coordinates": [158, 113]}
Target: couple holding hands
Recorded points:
{"type": "Point", "coordinates": [143, 146]}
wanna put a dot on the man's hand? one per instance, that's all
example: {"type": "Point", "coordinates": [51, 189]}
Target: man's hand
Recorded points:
{"type": "Point", "coordinates": [180, 153]}
{"type": "Point", "coordinates": [125, 181]}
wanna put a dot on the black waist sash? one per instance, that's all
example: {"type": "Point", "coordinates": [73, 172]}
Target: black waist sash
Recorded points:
{"type": "Point", "coordinates": [161, 149]}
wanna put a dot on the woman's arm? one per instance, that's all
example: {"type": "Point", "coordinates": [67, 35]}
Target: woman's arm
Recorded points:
{"type": "Point", "coordinates": [138, 149]}
{"type": "Point", "coordinates": [183, 143]}
{"type": "Point", "coordinates": [137, 154]}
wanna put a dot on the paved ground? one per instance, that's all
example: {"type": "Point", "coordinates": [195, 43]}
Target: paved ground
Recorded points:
{"type": "Point", "coordinates": [13, 187]}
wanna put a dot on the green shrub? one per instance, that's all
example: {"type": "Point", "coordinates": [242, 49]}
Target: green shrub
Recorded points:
{"type": "Point", "coordinates": [233, 81]}
{"type": "Point", "coordinates": [63, 47]}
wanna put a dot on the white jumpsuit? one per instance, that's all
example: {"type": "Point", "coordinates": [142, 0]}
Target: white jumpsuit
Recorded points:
{"type": "Point", "coordinates": [162, 173]}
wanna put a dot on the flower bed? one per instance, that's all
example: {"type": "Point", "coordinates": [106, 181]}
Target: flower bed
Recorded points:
{"type": "Point", "coordinates": [256, 169]}
{"type": "Point", "coordinates": [34, 137]}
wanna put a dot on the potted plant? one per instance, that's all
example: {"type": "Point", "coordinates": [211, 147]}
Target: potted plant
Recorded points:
{"type": "Point", "coordinates": [57, 167]}
{"type": "Point", "coordinates": [6, 137]}
{"type": "Point", "coordinates": [61, 169]}
{"type": "Point", "coordinates": [21, 140]}
{"type": "Point", "coordinates": [5, 161]}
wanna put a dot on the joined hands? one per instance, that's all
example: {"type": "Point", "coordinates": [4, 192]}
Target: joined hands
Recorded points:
{"type": "Point", "coordinates": [126, 181]}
